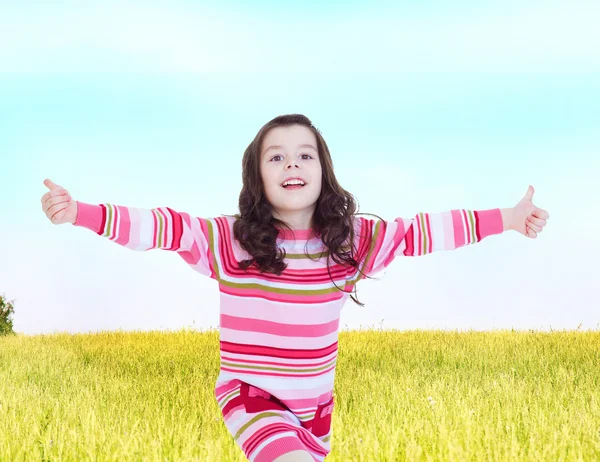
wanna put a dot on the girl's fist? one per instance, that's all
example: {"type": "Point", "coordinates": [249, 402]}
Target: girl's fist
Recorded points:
{"type": "Point", "coordinates": [58, 205]}
{"type": "Point", "coordinates": [528, 219]}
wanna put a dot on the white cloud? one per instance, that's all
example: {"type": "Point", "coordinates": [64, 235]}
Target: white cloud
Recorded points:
{"type": "Point", "coordinates": [123, 39]}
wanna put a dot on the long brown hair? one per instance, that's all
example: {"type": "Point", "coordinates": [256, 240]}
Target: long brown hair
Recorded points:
{"type": "Point", "coordinates": [256, 228]}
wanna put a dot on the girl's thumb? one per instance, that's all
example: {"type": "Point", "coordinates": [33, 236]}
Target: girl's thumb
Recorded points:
{"type": "Point", "coordinates": [529, 193]}
{"type": "Point", "coordinates": [50, 185]}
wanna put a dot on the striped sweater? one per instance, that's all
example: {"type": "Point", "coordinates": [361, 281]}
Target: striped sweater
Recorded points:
{"type": "Point", "coordinates": [279, 333]}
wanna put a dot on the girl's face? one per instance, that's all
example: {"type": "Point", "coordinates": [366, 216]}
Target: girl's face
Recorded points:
{"type": "Point", "coordinates": [286, 153]}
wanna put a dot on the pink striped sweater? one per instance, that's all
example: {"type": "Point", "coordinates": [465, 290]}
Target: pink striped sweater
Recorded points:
{"type": "Point", "coordinates": [279, 333]}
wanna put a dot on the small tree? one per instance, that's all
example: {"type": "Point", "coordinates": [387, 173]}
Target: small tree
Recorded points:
{"type": "Point", "coordinates": [6, 311]}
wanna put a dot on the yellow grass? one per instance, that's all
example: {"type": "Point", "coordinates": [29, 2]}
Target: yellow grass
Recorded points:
{"type": "Point", "coordinates": [419, 395]}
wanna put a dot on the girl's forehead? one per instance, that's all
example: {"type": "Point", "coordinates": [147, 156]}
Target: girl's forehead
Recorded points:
{"type": "Point", "coordinates": [291, 137]}
{"type": "Point", "coordinates": [291, 133]}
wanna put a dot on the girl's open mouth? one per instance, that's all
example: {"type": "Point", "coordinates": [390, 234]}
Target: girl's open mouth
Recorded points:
{"type": "Point", "coordinates": [293, 183]}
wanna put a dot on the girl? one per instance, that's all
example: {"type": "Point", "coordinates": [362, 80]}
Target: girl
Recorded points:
{"type": "Point", "coordinates": [285, 266]}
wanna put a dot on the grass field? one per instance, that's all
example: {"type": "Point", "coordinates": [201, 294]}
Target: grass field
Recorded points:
{"type": "Point", "coordinates": [418, 395]}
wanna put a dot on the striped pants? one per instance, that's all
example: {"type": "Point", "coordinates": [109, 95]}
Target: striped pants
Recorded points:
{"type": "Point", "coordinates": [264, 428]}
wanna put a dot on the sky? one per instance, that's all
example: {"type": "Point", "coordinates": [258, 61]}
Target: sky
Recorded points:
{"type": "Point", "coordinates": [425, 107]}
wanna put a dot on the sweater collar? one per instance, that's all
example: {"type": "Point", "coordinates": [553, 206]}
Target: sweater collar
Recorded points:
{"type": "Point", "coordinates": [298, 234]}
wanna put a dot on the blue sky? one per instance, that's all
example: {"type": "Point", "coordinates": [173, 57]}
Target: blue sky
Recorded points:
{"type": "Point", "coordinates": [425, 108]}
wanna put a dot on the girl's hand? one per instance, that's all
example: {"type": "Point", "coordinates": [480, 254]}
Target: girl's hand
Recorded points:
{"type": "Point", "coordinates": [58, 205]}
{"type": "Point", "coordinates": [526, 218]}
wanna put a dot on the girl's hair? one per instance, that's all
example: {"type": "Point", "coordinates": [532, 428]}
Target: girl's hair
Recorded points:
{"type": "Point", "coordinates": [255, 226]}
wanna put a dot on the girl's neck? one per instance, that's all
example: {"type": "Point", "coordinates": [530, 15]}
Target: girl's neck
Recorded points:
{"type": "Point", "coordinates": [297, 221]}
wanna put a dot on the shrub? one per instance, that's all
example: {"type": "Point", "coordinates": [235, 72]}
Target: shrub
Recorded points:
{"type": "Point", "coordinates": [6, 311]}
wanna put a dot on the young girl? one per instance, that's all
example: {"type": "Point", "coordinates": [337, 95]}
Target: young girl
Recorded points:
{"type": "Point", "coordinates": [285, 266]}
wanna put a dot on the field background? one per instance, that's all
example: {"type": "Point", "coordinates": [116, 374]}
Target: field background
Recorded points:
{"type": "Point", "coordinates": [411, 395]}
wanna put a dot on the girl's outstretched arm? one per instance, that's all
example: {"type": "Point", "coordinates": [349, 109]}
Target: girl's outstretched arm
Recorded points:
{"type": "Point", "coordinates": [136, 228]}
{"type": "Point", "coordinates": [429, 232]}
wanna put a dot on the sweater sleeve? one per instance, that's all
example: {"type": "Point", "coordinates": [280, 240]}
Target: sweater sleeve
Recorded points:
{"type": "Point", "coordinates": [379, 242]}
{"type": "Point", "coordinates": [148, 229]}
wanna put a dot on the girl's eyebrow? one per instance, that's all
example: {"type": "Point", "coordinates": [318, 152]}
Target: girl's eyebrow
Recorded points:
{"type": "Point", "coordinates": [276, 146]}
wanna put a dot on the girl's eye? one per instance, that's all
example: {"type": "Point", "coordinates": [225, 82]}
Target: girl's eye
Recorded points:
{"type": "Point", "coordinates": [308, 156]}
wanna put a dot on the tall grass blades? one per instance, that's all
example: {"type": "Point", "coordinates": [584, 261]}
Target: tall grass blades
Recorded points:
{"type": "Point", "coordinates": [416, 396]}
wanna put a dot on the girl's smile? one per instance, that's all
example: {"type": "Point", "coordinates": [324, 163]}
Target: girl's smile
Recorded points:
{"type": "Point", "coordinates": [293, 183]}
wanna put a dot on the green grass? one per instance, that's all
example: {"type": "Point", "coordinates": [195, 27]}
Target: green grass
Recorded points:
{"type": "Point", "coordinates": [419, 395]}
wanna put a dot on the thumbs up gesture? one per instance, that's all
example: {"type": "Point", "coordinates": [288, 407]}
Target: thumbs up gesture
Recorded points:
{"type": "Point", "coordinates": [526, 218]}
{"type": "Point", "coordinates": [58, 205]}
